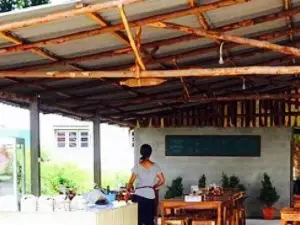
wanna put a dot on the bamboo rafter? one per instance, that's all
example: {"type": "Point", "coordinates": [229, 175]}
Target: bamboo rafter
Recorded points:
{"type": "Point", "coordinates": [209, 72]}
{"type": "Point", "coordinates": [230, 38]}
{"type": "Point", "coordinates": [131, 39]}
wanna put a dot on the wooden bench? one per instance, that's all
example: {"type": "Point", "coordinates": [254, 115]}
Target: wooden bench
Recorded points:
{"type": "Point", "coordinates": [290, 215]}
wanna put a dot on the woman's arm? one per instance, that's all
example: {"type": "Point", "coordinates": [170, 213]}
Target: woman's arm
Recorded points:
{"type": "Point", "coordinates": [131, 181]}
{"type": "Point", "coordinates": [160, 181]}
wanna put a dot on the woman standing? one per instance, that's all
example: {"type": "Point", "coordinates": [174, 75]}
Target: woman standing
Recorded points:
{"type": "Point", "coordinates": [148, 177]}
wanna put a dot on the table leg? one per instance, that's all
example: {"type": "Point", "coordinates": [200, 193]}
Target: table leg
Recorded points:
{"type": "Point", "coordinates": [162, 211]}
{"type": "Point", "coordinates": [283, 222]}
{"type": "Point", "coordinates": [219, 221]}
{"type": "Point", "coordinates": [224, 216]}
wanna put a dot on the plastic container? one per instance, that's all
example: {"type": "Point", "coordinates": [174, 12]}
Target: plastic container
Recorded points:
{"type": "Point", "coordinates": [61, 204]}
{"type": "Point", "coordinates": [28, 203]}
{"type": "Point", "coordinates": [45, 204]}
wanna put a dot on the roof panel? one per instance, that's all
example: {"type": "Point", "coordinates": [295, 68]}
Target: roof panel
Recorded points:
{"type": "Point", "coordinates": [20, 59]}
{"type": "Point", "coordinates": [145, 9]}
{"type": "Point", "coordinates": [184, 46]}
{"type": "Point", "coordinates": [103, 42]}
{"type": "Point", "coordinates": [260, 28]}
{"type": "Point", "coordinates": [232, 14]}
{"type": "Point", "coordinates": [57, 29]}
{"type": "Point", "coordinates": [107, 62]}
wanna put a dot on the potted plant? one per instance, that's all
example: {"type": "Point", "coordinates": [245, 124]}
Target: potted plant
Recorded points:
{"type": "Point", "coordinates": [268, 196]}
{"type": "Point", "coordinates": [175, 190]}
{"type": "Point", "coordinates": [202, 182]}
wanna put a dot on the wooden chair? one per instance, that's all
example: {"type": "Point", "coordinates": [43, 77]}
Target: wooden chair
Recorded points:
{"type": "Point", "coordinates": [296, 201]}
{"type": "Point", "coordinates": [176, 217]}
{"type": "Point", "coordinates": [289, 215]}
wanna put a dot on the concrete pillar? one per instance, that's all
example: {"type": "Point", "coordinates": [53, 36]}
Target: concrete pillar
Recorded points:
{"type": "Point", "coordinates": [35, 148]}
{"type": "Point", "coordinates": [97, 151]}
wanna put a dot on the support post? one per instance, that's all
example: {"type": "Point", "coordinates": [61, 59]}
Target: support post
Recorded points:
{"type": "Point", "coordinates": [97, 151]}
{"type": "Point", "coordinates": [35, 148]}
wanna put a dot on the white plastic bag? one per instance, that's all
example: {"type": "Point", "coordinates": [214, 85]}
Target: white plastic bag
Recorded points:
{"type": "Point", "coordinates": [78, 203]}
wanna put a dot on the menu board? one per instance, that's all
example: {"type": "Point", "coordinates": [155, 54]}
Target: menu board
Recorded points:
{"type": "Point", "coordinates": [213, 145]}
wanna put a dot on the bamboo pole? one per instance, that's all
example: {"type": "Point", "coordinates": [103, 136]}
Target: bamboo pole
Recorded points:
{"type": "Point", "coordinates": [209, 72]}
{"type": "Point", "coordinates": [130, 37]}
{"type": "Point", "coordinates": [66, 14]}
{"type": "Point", "coordinates": [235, 39]}
{"type": "Point", "coordinates": [141, 22]}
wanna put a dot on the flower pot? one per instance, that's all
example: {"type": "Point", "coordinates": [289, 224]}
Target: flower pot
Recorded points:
{"type": "Point", "coordinates": [268, 213]}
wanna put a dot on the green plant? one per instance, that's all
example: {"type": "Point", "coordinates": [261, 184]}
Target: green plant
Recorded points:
{"type": "Point", "coordinates": [175, 190]}
{"type": "Point", "coordinates": [202, 181]}
{"type": "Point", "coordinates": [225, 181]}
{"type": "Point", "coordinates": [268, 194]}
{"type": "Point", "coordinates": [232, 182]}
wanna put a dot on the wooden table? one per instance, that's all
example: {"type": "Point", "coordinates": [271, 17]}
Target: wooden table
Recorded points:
{"type": "Point", "coordinates": [210, 203]}
{"type": "Point", "coordinates": [290, 215]}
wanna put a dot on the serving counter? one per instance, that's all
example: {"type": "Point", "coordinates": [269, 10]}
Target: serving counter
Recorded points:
{"type": "Point", "coordinates": [114, 215]}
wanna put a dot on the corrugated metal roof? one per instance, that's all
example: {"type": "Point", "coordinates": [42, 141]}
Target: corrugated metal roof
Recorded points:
{"type": "Point", "coordinates": [91, 93]}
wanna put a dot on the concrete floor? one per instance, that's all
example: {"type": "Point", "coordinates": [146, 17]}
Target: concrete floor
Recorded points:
{"type": "Point", "coordinates": [263, 222]}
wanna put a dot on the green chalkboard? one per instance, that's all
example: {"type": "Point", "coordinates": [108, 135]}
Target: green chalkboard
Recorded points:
{"type": "Point", "coordinates": [213, 145]}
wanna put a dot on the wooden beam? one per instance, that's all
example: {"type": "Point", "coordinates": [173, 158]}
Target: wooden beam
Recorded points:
{"type": "Point", "coordinates": [141, 22]}
{"type": "Point", "coordinates": [131, 39]}
{"type": "Point", "coordinates": [235, 39]}
{"type": "Point", "coordinates": [172, 41]}
{"type": "Point", "coordinates": [66, 14]}
{"type": "Point", "coordinates": [98, 19]}
{"type": "Point", "coordinates": [209, 72]}
{"type": "Point", "coordinates": [200, 99]}
{"type": "Point", "coordinates": [6, 96]}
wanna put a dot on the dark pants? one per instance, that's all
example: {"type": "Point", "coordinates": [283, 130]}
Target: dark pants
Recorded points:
{"type": "Point", "coordinates": [145, 210]}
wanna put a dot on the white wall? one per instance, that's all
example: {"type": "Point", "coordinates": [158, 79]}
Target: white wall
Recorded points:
{"type": "Point", "coordinates": [275, 160]}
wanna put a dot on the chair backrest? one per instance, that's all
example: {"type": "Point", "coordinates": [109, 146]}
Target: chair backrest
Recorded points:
{"type": "Point", "coordinates": [296, 201]}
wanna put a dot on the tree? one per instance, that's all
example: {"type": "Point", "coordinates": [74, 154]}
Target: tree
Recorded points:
{"type": "Point", "coordinates": [8, 5]}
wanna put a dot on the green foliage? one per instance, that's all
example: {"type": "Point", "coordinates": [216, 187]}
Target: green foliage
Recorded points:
{"type": "Point", "coordinates": [175, 190]}
{"type": "Point", "coordinates": [268, 194]}
{"type": "Point", "coordinates": [9, 5]}
{"type": "Point", "coordinates": [53, 174]}
{"type": "Point", "coordinates": [202, 181]}
{"type": "Point", "coordinates": [225, 181]}
{"type": "Point", "coordinates": [232, 182]}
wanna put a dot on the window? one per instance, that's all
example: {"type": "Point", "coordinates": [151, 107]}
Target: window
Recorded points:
{"type": "Point", "coordinates": [84, 139]}
{"type": "Point", "coordinates": [61, 139]}
{"type": "Point", "coordinates": [72, 139]}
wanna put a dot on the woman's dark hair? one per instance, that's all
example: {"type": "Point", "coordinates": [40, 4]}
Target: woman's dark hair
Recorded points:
{"type": "Point", "coordinates": [145, 151]}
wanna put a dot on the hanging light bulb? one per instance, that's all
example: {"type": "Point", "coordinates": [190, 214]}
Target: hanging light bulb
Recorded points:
{"type": "Point", "coordinates": [221, 60]}
{"type": "Point", "coordinates": [244, 84]}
